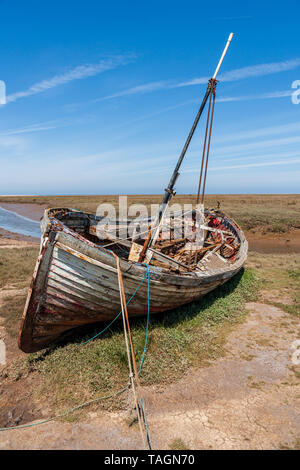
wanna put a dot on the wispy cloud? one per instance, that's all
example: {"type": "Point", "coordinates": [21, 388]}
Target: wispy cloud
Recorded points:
{"type": "Point", "coordinates": [140, 89]}
{"type": "Point", "coordinates": [286, 161]}
{"type": "Point", "coordinates": [41, 126]}
{"type": "Point", "coordinates": [259, 70]}
{"type": "Point", "coordinates": [230, 76]}
{"type": "Point", "coordinates": [258, 164]}
{"type": "Point", "coordinates": [246, 72]}
{"type": "Point", "coordinates": [77, 73]}
{"type": "Point", "coordinates": [291, 127]}
{"type": "Point", "coordinates": [255, 144]}
{"type": "Point", "coordinates": [259, 96]}
{"type": "Point", "coordinates": [221, 99]}
{"type": "Point", "coordinates": [32, 128]}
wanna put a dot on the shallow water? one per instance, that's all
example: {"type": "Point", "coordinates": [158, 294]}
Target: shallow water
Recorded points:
{"type": "Point", "coordinates": [14, 222]}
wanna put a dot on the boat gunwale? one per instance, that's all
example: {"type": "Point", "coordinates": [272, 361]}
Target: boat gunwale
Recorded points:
{"type": "Point", "coordinates": [140, 268]}
{"type": "Point", "coordinates": [56, 233]}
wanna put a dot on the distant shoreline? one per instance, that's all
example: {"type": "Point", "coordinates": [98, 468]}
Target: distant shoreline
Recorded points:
{"type": "Point", "coordinates": [7, 237]}
{"type": "Point", "coordinates": [31, 211]}
{"type": "Point", "coordinates": [144, 194]}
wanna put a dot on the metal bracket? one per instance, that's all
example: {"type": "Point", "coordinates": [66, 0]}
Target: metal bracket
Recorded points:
{"type": "Point", "coordinates": [170, 191]}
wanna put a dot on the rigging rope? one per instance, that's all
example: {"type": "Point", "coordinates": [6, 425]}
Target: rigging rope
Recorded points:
{"type": "Point", "coordinates": [213, 93]}
{"type": "Point", "coordinates": [205, 153]}
{"type": "Point", "coordinates": [131, 360]}
{"type": "Point", "coordinates": [119, 392]}
{"type": "Point", "coordinates": [204, 148]}
{"type": "Point", "coordinates": [206, 144]}
{"type": "Point", "coordinates": [62, 415]}
{"type": "Point", "coordinates": [117, 316]}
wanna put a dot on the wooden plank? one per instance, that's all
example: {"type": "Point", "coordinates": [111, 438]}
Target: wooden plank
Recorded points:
{"type": "Point", "coordinates": [167, 259]}
{"type": "Point", "coordinates": [135, 252]}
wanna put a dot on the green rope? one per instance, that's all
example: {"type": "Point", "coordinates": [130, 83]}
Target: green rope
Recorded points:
{"type": "Point", "coordinates": [119, 392]}
{"type": "Point", "coordinates": [22, 426]}
{"type": "Point", "coordinates": [117, 316]}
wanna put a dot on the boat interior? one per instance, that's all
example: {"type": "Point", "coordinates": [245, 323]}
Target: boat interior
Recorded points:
{"type": "Point", "coordinates": [188, 242]}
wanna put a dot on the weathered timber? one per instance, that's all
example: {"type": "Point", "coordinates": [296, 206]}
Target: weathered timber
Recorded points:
{"type": "Point", "coordinates": [75, 280]}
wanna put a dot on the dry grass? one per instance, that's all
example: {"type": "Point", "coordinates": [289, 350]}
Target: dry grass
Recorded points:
{"type": "Point", "coordinates": [178, 444]}
{"type": "Point", "coordinates": [16, 266]}
{"type": "Point", "coordinates": [280, 275]}
{"type": "Point", "coordinates": [11, 311]}
{"type": "Point", "coordinates": [274, 213]}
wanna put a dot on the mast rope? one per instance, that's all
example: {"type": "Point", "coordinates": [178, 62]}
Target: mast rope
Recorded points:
{"type": "Point", "coordinates": [206, 144]}
{"type": "Point", "coordinates": [128, 302]}
{"type": "Point", "coordinates": [206, 148]}
{"type": "Point", "coordinates": [139, 402]}
{"type": "Point", "coordinates": [118, 392]}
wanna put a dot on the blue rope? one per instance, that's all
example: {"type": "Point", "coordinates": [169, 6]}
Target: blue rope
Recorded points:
{"type": "Point", "coordinates": [117, 316]}
{"type": "Point", "coordinates": [148, 315]}
{"type": "Point", "coordinates": [120, 391]}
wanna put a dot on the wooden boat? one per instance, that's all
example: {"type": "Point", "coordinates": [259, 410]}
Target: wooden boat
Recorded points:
{"type": "Point", "coordinates": [75, 279]}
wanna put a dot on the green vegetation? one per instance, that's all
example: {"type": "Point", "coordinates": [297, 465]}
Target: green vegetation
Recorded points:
{"type": "Point", "coordinates": [16, 266]}
{"type": "Point", "coordinates": [11, 312]}
{"type": "Point", "coordinates": [178, 444]}
{"type": "Point", "coordinates": [188, 336]}
{"type": "Point", "coordinates": [294, 446]}
{"type": "Point", "coordinates": [279, 274]}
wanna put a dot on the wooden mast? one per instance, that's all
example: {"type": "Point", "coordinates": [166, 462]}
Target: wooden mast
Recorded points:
{"type": "Point", "coordinates": [169, 191]}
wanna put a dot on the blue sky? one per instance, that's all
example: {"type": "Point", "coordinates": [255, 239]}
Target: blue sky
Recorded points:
{"type": "Point", "coordinates": [101, 96]}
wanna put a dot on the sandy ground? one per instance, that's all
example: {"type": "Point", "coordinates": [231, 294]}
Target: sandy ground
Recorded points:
{"type": "Point", "coordinates": [15, 240]}
{"type": "Point", "coordinates": [248, 399]}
